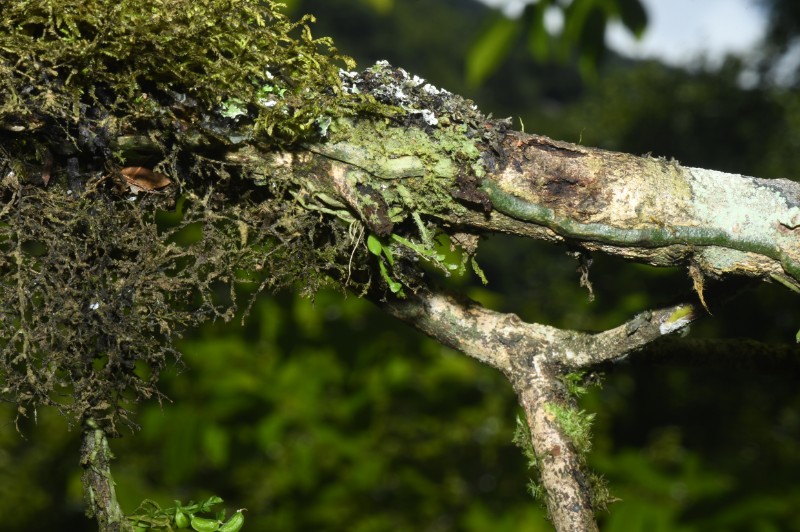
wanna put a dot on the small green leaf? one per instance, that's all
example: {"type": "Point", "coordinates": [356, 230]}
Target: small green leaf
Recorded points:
{"type": "Point", "coordinates": [233, 108]}
{"type": "Point", "coordinates": [374, 245]}
{"type": "Point", "coordinates": [491, 48]}
{"type": "Point", "coordinates": [797, 337]}
{"type": "Point", "coordinates": [394, 286]}
{"type": "Point", "coordinates": [206, 505]}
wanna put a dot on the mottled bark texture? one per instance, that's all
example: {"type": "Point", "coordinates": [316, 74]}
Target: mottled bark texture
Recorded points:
{"type": "Point", "coordinates": [98, 484]}
{"type": "Point", "coordinates": [652, 209]}
{"type": "Point", "coordinates": [534, 358]}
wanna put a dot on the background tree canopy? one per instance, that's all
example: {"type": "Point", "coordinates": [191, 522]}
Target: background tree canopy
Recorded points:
{"type": "Point", "coordinates": [327, 415]}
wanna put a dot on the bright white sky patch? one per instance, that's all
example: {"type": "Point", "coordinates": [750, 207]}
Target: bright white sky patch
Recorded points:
{"type": "Point", "coordinates": [680, 31]}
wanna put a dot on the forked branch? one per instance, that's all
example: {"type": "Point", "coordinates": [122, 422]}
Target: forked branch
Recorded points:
{"type": "Point", "coordinates": [534, 358]}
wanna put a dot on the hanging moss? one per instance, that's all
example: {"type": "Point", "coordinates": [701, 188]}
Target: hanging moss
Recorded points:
{"type": "Point", "coordinates": [96, 280]}
{"type": "Point", "coordinates": [93, 290]}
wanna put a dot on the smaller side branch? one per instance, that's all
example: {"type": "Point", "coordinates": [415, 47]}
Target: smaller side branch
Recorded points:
{"type": "Point", "coordinates": [98, 484]}
{"type": "Point", "coordinates": [583, 350]}
{"type": "Point", "coordinates": [520, 350]}
{"type": "Point", "coordinates": [533, 357]}
{"type": "Point", "coordinates": [493, 338]}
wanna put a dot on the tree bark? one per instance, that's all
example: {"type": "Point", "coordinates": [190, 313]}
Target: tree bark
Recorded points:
{"type": "Point", "coordinates": [562, 469]}
{"type": "Point", "coordinates": [640, 208]}
{"type": "Point", "coordinates": [98, 484]}
{"type": "Point", "coordinates": [472, 173]}
{"type": "Point", "coordinates": [534, 358]}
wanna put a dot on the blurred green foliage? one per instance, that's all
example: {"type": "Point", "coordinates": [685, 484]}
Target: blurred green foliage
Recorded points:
{"type": "Point", "coordinates": [326, 415]}
{"type": "Point", "coordinates": [580, 37]}
{"type": "Point", "coordinates": [320, 415]}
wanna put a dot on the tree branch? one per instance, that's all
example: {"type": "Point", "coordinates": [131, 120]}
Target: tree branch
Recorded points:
{"type": "Point", "coordinates": [98, 484]}
{"type": "Point", "coordinates": [721, 223]}
{"type": "Point", "coordinates": [591, 349]}
{"type": "Point", "coordinates": [500, 339]}
{"type": "Point", "coordinates": [534, 357]}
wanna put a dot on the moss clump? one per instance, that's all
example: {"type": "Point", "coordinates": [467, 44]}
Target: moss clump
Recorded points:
{"type": "Point", "coordinates": [96, 282]}
{"type": "Point", "coordinates": [214, 96]}
{"type": "Point", "coordinates": [522, 439]}
{"type": "Point", "coordinates": [123, 64]}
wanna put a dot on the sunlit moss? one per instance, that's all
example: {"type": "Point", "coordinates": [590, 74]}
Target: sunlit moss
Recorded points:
{"type": "Point", "coordinates": [117, 63]}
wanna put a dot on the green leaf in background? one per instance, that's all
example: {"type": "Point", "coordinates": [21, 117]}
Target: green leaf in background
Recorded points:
{"type": "Point", "coordinates": [575, 16]}
{"type": "Point", "coordinates": [538, 36]}
{"type": "Point", "coordinates": [585, 23]}
{"type": "Point", "coordinates": [633, 16]}
{"type": "Point", "coordinates": [381, 7]}
{"type": "Point", "coordinates": [591, 41]}
{"type": "Point", "coordinates": [489, 50]}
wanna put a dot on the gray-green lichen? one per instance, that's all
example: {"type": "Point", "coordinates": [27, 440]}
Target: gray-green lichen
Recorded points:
{"type": "Point", "coordinates": [651, 209]}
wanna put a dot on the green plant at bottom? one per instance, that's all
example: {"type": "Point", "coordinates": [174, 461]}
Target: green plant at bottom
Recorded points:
{"type": "Point", "coordinates": [150, 516]}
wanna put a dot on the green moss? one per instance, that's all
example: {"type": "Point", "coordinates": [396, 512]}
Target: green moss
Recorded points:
{"type": "Point", "coordinates": [95, 284]}
{"type": "Point", "coordinates": [577, 427]}
{"type": "Point", "coordinates": [127, 63]}
{"type": "Point", "coordinates": [575, 384]}
{"type": "Point", "coordinates": [204, 92]}
{"type": "Point", "coordinates": [522, 439]}
{"type": "Point", "coordinates": [576, 424]}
